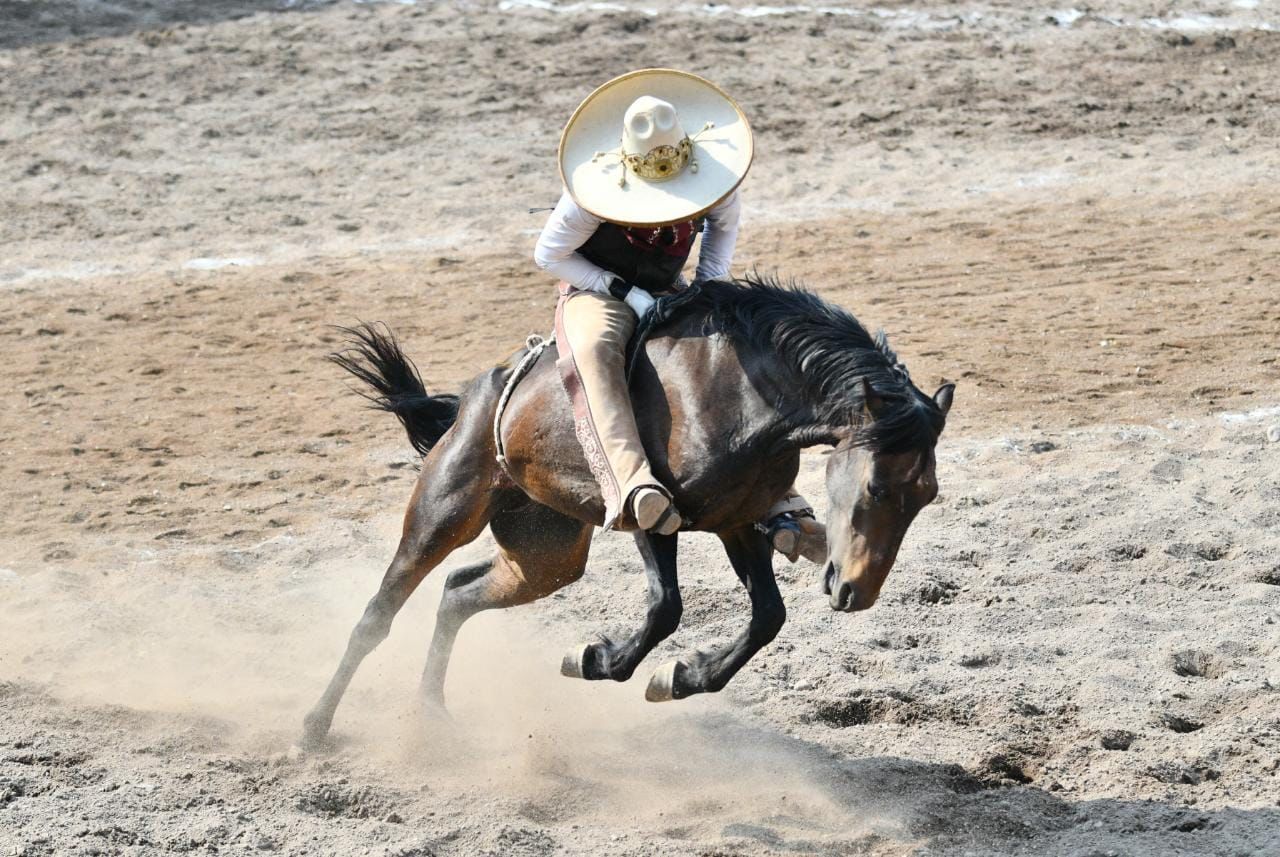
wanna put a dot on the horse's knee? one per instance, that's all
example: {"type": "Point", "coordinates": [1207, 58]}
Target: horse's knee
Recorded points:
{"type": "Point", "coordinates": [768, 621]}
{"type": "Point", "coordinates": [667, 613]}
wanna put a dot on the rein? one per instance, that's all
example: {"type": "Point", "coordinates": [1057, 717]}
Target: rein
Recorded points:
{"type": "Point", "coordinates": [662, 312]}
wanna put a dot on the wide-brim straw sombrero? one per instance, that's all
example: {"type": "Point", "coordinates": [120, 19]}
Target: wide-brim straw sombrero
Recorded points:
{"type": "Point", "coordinates": [722, 150]}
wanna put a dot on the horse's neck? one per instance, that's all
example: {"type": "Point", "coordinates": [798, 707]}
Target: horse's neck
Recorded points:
{"type": "Point", "coordinates": [717, 381]}
{"type": "Point", "coordinates": [709, 412]}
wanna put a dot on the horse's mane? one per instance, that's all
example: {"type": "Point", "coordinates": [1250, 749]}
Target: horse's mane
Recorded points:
{"type": "Point", "coordinates": [828, 351]}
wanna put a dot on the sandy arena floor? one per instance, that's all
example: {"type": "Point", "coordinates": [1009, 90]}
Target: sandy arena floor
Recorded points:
{"type": "Point", "coordinates": [1069, 214]}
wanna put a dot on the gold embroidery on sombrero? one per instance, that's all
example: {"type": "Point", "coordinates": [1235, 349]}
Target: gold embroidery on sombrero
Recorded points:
{"type": "Point", "coordinates": [659, 163]}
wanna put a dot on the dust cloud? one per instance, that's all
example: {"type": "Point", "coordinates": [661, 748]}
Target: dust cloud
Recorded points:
{"type": "Point", "coordinates": [239, 663]}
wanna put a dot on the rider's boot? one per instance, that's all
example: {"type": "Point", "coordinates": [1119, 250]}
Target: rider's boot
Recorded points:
{"type": "Point", "coordinates": [654, 511]}
{"type": "Point", "coordinates": [794, 531]}
{"type": "Point", "coordinates": [592, 331]}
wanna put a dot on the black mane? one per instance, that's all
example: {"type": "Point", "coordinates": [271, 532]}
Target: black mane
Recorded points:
{"type": "Point", "coordinates": [828, 351]}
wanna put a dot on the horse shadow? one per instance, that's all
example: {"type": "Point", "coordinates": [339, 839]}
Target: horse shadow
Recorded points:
{"type": "Point", "coordinates": [762, 791]}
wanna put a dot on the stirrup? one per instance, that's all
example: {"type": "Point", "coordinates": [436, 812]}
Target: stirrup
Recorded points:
{"type": "Point", "coordinates": [784, 532]}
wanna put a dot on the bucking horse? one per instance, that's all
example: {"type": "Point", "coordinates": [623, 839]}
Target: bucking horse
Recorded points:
{"type": "Point", "coordinates": [729, 388]}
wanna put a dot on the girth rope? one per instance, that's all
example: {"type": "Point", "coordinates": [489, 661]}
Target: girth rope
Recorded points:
{"type": "Point", "coordinates": [536, 345]}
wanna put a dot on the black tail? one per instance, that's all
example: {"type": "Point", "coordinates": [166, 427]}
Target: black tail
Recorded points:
{"type": "Point", "coordinates": [374, 356]}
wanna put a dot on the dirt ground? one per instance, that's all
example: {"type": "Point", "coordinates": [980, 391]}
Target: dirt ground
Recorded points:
{"type": "Point", "coordinates": [1070, 214]}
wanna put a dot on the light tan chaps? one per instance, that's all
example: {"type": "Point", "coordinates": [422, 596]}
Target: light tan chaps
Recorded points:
{"type": "Point", "coordinates": [592, 332]}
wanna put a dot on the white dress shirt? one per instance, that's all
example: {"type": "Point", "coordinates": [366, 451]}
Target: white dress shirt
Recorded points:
{"type": "Point", "coordinates": [569, 227]}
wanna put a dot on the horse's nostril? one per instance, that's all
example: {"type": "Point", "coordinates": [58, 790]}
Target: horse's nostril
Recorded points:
{"type": "Point", "coordinates": [828, 578]}
{"type": "Point", "coordinates": [844, 597]}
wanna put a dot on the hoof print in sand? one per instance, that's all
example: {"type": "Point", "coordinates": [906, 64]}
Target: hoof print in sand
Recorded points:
{"type": "Point", "coordinates": [1180, 724]}
{"type": "Point", "coordinates": [1198, 664]}
{"type": "Point", "coordinates": [1116, 739]}
{"type": "Point", "coordinates": [344, 801]}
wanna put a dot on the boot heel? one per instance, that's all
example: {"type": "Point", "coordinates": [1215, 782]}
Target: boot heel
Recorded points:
{"type": "Point", "coordinates": [648, 506]}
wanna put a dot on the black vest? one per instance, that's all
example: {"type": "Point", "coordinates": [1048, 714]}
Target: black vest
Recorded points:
{"type": "Point", "coordinates": [649, 258]}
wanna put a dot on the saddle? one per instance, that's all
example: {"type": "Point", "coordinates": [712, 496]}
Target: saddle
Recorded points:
{"type": "Point", "coordinates": [663, 311]}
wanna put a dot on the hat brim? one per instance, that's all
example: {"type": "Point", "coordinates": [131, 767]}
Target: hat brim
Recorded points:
{"type": "Point", "coordinates": [723, 153]}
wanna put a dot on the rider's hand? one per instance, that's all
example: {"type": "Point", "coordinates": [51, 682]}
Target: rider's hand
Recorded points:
{"type": "Point", "coordinates": [639, 300]}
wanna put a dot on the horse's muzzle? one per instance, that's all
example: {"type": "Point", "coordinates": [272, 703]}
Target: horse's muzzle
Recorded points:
{"type": "Point", "coordinates": [845, 598]}
{"type": "Point", "coordinates": [844, 595]}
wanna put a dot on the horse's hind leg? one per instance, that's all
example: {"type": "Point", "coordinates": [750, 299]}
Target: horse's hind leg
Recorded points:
{"type": "Point", "coordinates": [606, 659]}
{"type": "Point", "coordinates": [707, 672]}
{"type": "Point", "coordinates": [539, 551]}
{"type": "Point", "coordinates": [451, 506]}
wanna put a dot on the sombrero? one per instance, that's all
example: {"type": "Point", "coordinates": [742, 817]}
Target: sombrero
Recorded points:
{"type": "Point", "coordinates": [627, 156]}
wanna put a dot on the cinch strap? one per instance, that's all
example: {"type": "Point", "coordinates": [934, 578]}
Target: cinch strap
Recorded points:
{"type": "Point", "coordinates": [536, 345]}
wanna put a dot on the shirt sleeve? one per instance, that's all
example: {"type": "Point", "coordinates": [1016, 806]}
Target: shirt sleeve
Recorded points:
{"type": "Point", "coordinates": [567, 229]}
{"type": "Point", "coordinates": [719, 237]}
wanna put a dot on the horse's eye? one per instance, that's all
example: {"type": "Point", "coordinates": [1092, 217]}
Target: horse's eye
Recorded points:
{"type": "Point", "coordinates": [877, 491]}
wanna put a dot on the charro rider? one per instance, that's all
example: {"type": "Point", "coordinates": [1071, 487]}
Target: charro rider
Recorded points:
{"type": "Point", "coordinates": [638, 191]}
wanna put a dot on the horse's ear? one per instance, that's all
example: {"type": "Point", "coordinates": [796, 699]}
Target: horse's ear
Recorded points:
{"type": "Point", "coordinates": [871, 400]}
{"type": "Point", "coordinates": [943, 397]}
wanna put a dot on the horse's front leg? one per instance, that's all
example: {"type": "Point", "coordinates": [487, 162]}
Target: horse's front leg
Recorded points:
{"type": "Point", "coordinates": [707, 672]}
{"type": "Point", "coordinates": [607, 659]}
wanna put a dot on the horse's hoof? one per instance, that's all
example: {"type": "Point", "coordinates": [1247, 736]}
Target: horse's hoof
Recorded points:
{"type": "Point", "coordinates": [308, 744]}
{"type": "Point", "coordinates": [434, 711]}
{"type": "Point", "coordinates": [574, 663]}
{"type": "Point", "coordinates": [314, 732]}
{"type": "Point", "coordinates": [662, 686]}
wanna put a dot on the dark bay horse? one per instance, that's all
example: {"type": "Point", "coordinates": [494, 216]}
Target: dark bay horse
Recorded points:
{"type": "Point", "coordinates": [726, 395]}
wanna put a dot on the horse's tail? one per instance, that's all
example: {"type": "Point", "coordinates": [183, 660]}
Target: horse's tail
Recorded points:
{"type": "Point", "coordinates": [374, 356]}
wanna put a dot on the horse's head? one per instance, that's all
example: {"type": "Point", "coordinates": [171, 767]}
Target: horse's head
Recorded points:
{"type": "Point", "coordinates": [876, 490]}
